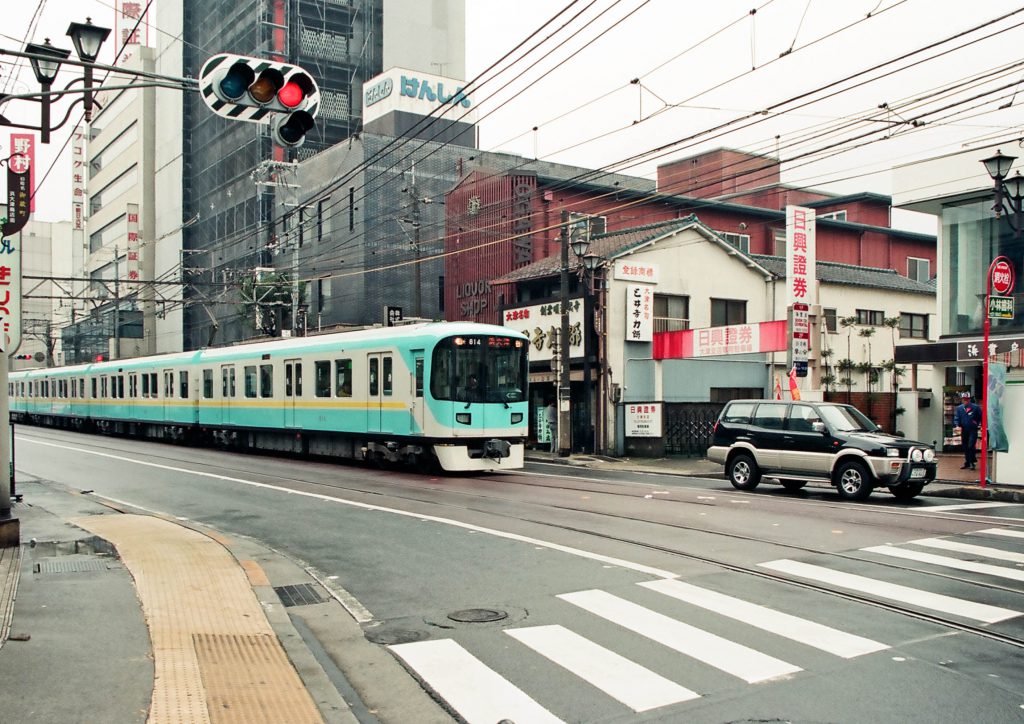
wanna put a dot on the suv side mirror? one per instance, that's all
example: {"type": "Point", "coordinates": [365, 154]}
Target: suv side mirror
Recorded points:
{"type": "Point", "coordinates": [818, 426]}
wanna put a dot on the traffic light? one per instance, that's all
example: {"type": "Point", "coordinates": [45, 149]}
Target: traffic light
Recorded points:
{"type": "Point", "coordinates": [258, 90]}
{"type": "Point", "coordinates": [22, 356]}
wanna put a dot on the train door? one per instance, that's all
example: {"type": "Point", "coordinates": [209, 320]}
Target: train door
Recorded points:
{"type": "Point", "coordinates": [417, 406]}
{"type": "Point", "coordinates": [292, 390]}
{"type": "Point", "coordinates": [166, 405]}
{"type": "Point", "coordinates": [379, 391]}
{"type": "Point", "coordinates": [227, 392]}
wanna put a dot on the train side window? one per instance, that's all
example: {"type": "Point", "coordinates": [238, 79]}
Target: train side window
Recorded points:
{"type": "Point", "coordinates": [373, 377]}
{"type": "Point", "coordinates": [266, 380]}
{"type": "Point", "coordinates": [81, 388]}
{"type": "Point", "coordinates": [387, 376]}
{"type": "Point", "coordinates": [168, 385]}
{"type": "Point", "coordinates": [250, 381]}
{"type": "Point", "coordinates": [208, 384]}
{"type": "Point", "coordinates": [183, 384]}
{"type": "Point", "coordinates": [152, 385]}
{"type": "Point", "coordinates": [120, 387]}
{"type": "Point", "coordinates": [145, 385]}
{"type": "Point", "coordinates": [419, 377]}
{"type": "Point", "coordinates": [322, 379]}
{"type": "Point", "coordinates": [287, 380]}
{"type": "Point", "coordinates": [298, 379]}
{"type": "Point", "coordinates": [103, 387]}
{"type": "Point", "coordinates": [94, 388]}
{"type": "Point", "coordinates": [231, 381]}
{"type": "Point", "coordinates": [224, 382]}
{"type": "Point", "coordinates": [343, 377]}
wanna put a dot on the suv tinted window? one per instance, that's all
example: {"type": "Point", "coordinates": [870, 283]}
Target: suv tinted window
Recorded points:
{"type": "Point", "coordinates": [802, 417]}
{"type": "Point", "coordinates": [738, 412]}
{"type": "Point", "coordinates": [770, 415]}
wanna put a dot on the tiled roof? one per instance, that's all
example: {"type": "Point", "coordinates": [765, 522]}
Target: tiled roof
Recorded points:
{"type": "Point", "coordinates": [607, 246]}
{"type": "Point", "coordinates": [850, 275]}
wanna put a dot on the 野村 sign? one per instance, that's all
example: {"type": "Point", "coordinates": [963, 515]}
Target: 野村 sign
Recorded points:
{"type": "Point", "coordinates": [639, 313]}
{"type": "Point", "coordinates": [643, 419]}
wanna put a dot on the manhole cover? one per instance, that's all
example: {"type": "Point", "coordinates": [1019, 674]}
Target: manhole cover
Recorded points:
{"type": "Point", "coordinates": [477, 615]}
{"type": "Point", "coordinates": [390, 637]}
{"type": "Point", "coordinates": [80, 565]}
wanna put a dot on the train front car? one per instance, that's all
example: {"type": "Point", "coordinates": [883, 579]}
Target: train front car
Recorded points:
{"type": "Point", "coordinates": [477, 393]}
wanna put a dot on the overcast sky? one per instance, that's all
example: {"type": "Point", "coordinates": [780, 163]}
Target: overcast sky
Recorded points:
{"type": "Point", "coordinates": [699, 66]}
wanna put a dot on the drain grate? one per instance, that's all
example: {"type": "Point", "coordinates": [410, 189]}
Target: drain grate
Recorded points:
{"type": "Point", "coordinates": [302, 594]}
{"type": "Point", "coordinates": [75, 566]}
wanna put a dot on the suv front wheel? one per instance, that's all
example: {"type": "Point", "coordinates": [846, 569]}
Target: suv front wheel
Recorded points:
{"type": "Point", "coordinates": [853, 481]}
{"type": "Point", "coordinates": [743, 472]}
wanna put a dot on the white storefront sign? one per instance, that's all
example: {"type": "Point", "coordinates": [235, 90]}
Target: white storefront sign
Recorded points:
{"type": "Point", "coordinates": [631, 271]}
{"type": "Point", "coordinates": [800, 279]}
{"type": "Point", "coordinates": [639, 313]}
{"type": "Point", "coordinates": [643, 419]}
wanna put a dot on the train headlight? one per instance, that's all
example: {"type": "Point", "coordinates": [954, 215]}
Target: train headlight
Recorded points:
{"type": "Point", "coordinates": [916, 455]}
{"type": "Point", "coordinates": [929, 455]}
{"type": "Point", "coordinates": [463, 418]}
{"type": "Point", "coordinates": [517, 417]}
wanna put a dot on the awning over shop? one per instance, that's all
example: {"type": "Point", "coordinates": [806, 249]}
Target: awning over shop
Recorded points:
{"type": "Point", "coordinates": [720, 341]}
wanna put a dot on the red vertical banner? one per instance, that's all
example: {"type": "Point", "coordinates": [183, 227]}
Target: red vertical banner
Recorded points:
{"type": "Point", "coordinates": [24, 144]}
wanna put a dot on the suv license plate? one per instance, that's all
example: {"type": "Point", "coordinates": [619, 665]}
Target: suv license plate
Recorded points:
{"type": "Point", "coordinates": [917, 473]}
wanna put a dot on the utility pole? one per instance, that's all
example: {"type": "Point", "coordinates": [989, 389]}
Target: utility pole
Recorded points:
{"type": "Point", "coordinates": [417, 289]}
{"type": "Point", "coordinates": [117, 307]}
{"type": "Point", "coordinates": [564, 414]}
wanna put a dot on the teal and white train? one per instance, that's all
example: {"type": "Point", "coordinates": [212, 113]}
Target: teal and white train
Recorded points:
{"type": "Point", "coordinates": [450, 392]}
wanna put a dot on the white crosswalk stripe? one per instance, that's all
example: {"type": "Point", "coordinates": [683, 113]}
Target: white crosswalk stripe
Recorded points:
{"type": "Point", "coordinates": [893, 592]}
{"type": "Point", "coordinates": [921, 557]}
{"type": "Point", "coordinates": [475, 691]}
{"type": "Point", "coordinates": [728, 656]}
{"type": "Point", "coordinates": [795, 628]}
{"type": "Point", "coordinates": [635, 686]}
{"type": "Point", "coordinates": [1004, 532]}
{"type": "Point", "coordinates": [957, 547]}
{"type": "Point", "coordinates": [964, 506]}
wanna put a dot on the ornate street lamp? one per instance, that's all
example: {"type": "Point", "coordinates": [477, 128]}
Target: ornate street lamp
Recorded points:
{"type": "Point", "coordinates": [1009, 192]}
{"type": "Point", "coordinates": [46, 62]}
{"type": "Point", "coordinates": [88, 39]}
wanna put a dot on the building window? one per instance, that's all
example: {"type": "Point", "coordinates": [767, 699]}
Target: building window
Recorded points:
{"type": "Point", "coordinates": [740, 241]}
{"type": "Point", "coordinates": [109, 233]}
{"type": "Point", "coordinates": [117, 187]}
{"type": "Point", "coordinates": [671, 313]}
{"type": "Point", "coordinates": [870, 317]}
{"type": "Point", "coordinates": [834, 215]}
{"type": "Point", "coordinates": [913, 326]}
{"type": "Point", "coordinates": [830, 319]}
{"type": "Point", "coordinates": [779, 238]}
{"type": "Point", "coordinates": [919, 269]}
{"type": "Point", "coordinates": [728, 311]}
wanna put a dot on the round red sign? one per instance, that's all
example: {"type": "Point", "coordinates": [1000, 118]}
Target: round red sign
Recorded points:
{"type": "Point", "coordinates": [1002, 276]}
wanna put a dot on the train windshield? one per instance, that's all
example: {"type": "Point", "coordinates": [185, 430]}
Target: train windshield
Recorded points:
{"type": "Point", "coordinates": [479, 368]}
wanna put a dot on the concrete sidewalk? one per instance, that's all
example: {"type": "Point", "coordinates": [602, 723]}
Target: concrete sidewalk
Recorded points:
{"type": "Point", "coordinates": [110, 616]}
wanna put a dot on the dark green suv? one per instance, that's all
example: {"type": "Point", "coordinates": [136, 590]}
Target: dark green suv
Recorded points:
{"type": "Point", "coordinates": [799, 441]}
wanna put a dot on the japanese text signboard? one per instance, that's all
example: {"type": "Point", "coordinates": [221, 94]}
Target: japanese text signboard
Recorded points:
{"type": "Point", "coordinates": [639, 313]}
{"type": "Point", "coordinates": [1000, 307]}
{"type": "Point", "coordinates": [1002, 276]}
{"type": "Point", "coordinates": [10, 294]}
{"type": "Point", "coordinates": [631, 271]}
{"type": "Point", "coordinates": [134, 265]}
{"type": "Point", "coordinates": [542, 322]}
{"type": "Point", "coordinates": [643, 419]}
{"type": "Point", "coordinates": [78, 179]}
{"type": "Point", "coordinates": [800, 280]}
{"type": "Point", "coordinates": [973, 351]}
{"type": "Point", "coordinates": [23, 158]}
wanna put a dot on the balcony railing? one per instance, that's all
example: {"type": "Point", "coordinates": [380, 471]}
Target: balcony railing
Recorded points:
{"type": "Point", "coordinates": [670, 324]}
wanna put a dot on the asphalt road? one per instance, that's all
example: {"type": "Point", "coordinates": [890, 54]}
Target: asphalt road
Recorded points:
{"type": "Point", "coordinates": [556, 594]}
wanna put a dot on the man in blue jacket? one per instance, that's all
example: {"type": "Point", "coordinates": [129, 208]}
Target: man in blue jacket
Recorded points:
{"type": "Point", "coordinates": [967, 417]}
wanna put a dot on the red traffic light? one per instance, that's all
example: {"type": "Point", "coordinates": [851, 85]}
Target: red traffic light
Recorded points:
{"type": "Point", "coordinates": [256, 89]}
{"type": "Point", "coordinates": [295, 91]}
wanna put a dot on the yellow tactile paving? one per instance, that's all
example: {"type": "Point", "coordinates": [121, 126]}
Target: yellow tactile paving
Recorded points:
{"type": "Point", "coordinates": [216, 657]}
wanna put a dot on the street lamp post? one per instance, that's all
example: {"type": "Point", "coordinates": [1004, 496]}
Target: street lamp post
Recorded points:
{"type": "Point", "coordinates": [46, 61]}
{"type": "Point", "coordinates": [1009, 199]}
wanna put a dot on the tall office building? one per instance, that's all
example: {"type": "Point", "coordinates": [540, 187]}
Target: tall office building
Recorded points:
{"type": "Point", "coordinates": [225, 221]}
